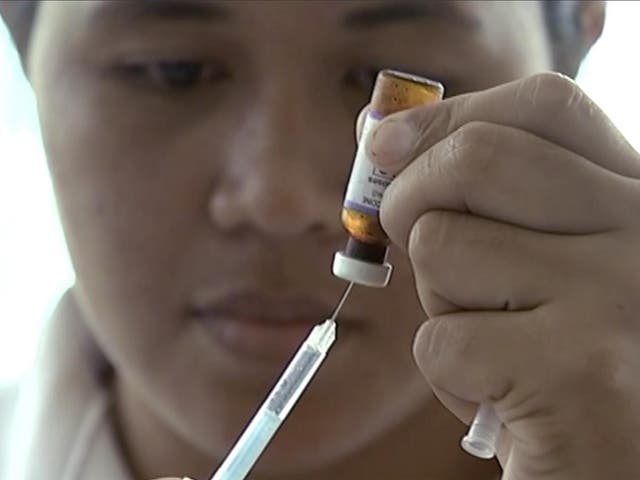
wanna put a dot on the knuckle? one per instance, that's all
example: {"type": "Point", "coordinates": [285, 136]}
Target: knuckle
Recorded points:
{"type": "Point", "coordinates": [392, 202]}
{"type": "Point", "coordinates": [497, 239]}
{"type": "Point", "coordinates": [474, 132]}
{"type": "Point", "coordinates": [472, 151]}
{"type": "Point", "coordinates": [600, 368]}
{"type": "Point", "coordinates": [429, 238]}
{"type": "Point", "coordinates": [421, 344]}
{"type": "Point", "coordinates": [552, 92]}
{"type": "Point", "coordinates": [621, 306]}
{"type": "Point", "coordinates": [428, 348]}
{"type": "Point", "coordinates": [447, 120]}
{"type": "Point", "coordinates": [439, 347]}
{"type": "Point", "coordinates": [604, 366]}
{"type": "Point", "coordinates": [386, 211]}
{"type": "Point", "coordinates": [449, 117]}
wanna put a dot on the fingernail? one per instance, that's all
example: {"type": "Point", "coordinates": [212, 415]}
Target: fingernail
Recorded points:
{"type": "Point", "coordinates": [391, 143]}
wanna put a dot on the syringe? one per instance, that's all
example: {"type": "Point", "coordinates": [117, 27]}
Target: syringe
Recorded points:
{"type": "Point", "coordinates": [283, 397]}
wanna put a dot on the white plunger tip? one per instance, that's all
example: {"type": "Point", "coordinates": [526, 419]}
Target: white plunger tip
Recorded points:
{"type": "Point", "coordinates": [482, 436]}
{"type": "Point", "coordinates": [478, 447]}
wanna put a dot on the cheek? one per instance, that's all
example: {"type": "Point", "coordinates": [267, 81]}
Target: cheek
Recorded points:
{"type": "Point", "coordinates": [130, 200]}
{"type": "Point", "coordinates": [519, 43]}
{"type": "Point", "coordinates": [131, 175]}
{"type": "Point", "coordinates": [114, 207]}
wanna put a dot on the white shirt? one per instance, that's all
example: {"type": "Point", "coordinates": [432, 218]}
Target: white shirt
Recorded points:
{"type": "Point", "coordinates": [63, 428]}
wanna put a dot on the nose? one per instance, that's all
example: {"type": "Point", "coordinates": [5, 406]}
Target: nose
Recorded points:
{"type": "Point", "coordinates": [278, 176]}
{"type": "Point", "coordinates": [275, 201]}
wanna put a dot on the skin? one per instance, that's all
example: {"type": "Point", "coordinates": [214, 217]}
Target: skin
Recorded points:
{"type": "Point", "coordinates": [163, 193]}
{"type": "Point", "coordinates": [529, 275]}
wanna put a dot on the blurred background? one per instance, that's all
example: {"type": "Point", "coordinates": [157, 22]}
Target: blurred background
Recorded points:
{"type": "Point", "coordinates": [34, 265]}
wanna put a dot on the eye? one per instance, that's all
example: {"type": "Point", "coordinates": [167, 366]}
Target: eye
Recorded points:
{"type": "Point", "coordinates": [361, 78]}
{"type": "Point", "coordinates": [173, 75]}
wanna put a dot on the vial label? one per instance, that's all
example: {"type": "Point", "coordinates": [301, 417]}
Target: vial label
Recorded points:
{"type": "Point", "coordinates": [366, 183]}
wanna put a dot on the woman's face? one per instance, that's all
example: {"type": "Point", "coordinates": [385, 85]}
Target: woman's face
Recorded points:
{"type": "Point", "coordinates": [199, 152]}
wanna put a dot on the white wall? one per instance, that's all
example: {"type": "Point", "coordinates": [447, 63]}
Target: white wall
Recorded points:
{"type": "Point", "coordinates": [34, 267]}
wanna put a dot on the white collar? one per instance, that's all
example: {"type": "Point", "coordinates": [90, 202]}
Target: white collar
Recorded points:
{"type": "Point", "coordinates": [63, 427]}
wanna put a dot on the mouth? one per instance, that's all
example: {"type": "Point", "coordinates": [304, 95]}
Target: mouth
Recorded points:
{"type": "Point", "coordinates": [255, 326]}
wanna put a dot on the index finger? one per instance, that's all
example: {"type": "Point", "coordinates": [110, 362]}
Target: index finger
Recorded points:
{"type": "Point", "coordinates": [548, 105]}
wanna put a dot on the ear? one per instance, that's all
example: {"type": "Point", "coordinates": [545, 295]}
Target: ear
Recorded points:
{"type": "Point", "coordinates": [590, 19]}
{"type": "Point", "coordinates": [19, 16]}
{"type": "Point", "coordinates": [584, 22]}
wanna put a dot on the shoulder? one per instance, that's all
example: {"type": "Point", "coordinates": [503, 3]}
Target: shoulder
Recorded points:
{"type": "Point", "coordinates": [8, 395]}
{"type": "Point", "coordinates": [61, 413]}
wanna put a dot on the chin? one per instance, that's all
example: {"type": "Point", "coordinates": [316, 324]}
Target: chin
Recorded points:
{"type": "Point", "coordinates": [308, 440]}
{"type": "Point", "coordinates": [290, 454]}
{"type": "Point", "coordinates": [315, 440]}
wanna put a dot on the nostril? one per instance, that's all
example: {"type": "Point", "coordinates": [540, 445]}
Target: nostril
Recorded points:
{"type": "Point", "coordinates": [317, 228]}
{"type": "Point", "coordinates": [267, 204]}
{"type": "Point", "coordinates": [224, 210]}
{"type": "Point", "coordinates": [279, 212]}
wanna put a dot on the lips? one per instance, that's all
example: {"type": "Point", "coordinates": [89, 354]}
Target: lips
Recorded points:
{"type": "Point", "coordinates": [256, 326]}
{"type": "Point", "coordinates": [265, 308]}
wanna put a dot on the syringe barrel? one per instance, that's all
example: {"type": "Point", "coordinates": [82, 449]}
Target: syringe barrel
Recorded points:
{"type": "Point", "coordinates": [301, 369]}
{"type": "Point", "coordinates": [249, 447]}
{"type": "Point", "coordinates": [278, 404]}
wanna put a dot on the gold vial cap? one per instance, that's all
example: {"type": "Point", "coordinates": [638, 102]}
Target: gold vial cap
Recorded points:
{"type": "Point", "coordinates": [396, 91]}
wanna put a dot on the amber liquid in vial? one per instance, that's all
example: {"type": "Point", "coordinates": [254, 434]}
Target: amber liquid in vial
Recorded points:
{"type": "Point", "coordinates": [393, 92]}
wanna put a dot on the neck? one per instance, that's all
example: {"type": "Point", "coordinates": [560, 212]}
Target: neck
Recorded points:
{"type": "Point", "coordinates": [424, 446]}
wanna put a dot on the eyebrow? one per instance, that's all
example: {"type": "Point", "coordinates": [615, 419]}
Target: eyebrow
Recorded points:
{"type": "Point", "coordinates": [199, 10]}
{"type": "Point", "coordinates": [141, 10]}
{"type": "Point", "coordinates": [390, 13]}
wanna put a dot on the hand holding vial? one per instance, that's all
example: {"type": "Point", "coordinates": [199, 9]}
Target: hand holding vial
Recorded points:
{"type": "Point", "coordinates": [511, 203]}
{"type": "Point", "coordinates": [363, 260]}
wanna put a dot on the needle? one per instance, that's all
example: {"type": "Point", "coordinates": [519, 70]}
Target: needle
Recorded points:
{"type": "Point", "coordinates": [340, 304]}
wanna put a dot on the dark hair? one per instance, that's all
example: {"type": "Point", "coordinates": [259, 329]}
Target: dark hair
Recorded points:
{"type": "Point", "coordinates": [19, 16]}
{"type": "Point", "coordinates": [560, 17]}
{"type": "Point", "coordinates": [565, 35]}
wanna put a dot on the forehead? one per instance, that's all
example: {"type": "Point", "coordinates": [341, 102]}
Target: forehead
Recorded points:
{"type": "Point", "coordinates": [471, 15]}
{"type": "Point", "coordinates": [488, 42]}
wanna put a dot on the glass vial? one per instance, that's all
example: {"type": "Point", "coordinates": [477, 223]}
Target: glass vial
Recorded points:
{"type": "Point", "coordinates": [364, 258]}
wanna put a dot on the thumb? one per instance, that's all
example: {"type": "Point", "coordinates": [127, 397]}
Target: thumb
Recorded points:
{"type": "Point", "coordinates": [360, 121]}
